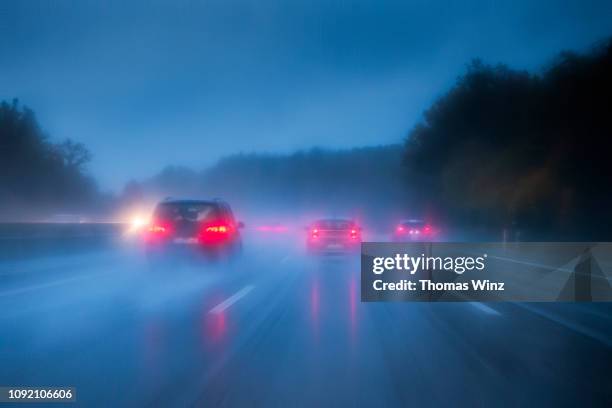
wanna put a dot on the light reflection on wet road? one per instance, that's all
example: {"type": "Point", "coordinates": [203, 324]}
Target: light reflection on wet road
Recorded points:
{"type": "Point", "coordinates": [279, 328]}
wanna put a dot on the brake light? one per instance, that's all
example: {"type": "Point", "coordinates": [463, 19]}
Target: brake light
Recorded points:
{"type": "Point", "coordinates": [217, 228]}
{"type": "Point", "coordinates": [354, 233]}
{"type": "Point", "coordinates": [427, 230]}
{"type": "Point", "coordinates": [400, 229]}
{"type": "Point", "coordinates": [214, 233]}
{"type": "Point", "coordinates": [157, 229]}
{"type": "Point", "coordinates": [315, 233]}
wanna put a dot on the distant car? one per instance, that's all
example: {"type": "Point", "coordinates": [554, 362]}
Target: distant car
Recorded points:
{"type": "Point", "coordinates": [333, 235]}
{"type": "Point", "coordinates": [206, 227]}
{"type": "Point", "coordinates": [413, 230]}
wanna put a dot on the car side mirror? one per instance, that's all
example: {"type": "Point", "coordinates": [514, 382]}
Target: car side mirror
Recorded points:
{"type": "Point", "coordinates": [240, 224]}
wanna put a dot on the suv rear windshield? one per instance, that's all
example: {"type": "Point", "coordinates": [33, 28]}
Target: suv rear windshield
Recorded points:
{"type": "Point", "coordinates": [334, 224]}
{"type": "Point", "coordinates": [413, 223]}
{"type": "Point", "coordinates": [189, 211]}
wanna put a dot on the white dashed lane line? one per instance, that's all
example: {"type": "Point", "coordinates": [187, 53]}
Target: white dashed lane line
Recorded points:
{"type": "Point", "coordinates": [231, 300]}
{"type": "Point", "coordinates": [484, 308]}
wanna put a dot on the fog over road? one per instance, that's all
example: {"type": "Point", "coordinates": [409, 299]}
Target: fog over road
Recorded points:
{"type": "Point", "coordinates": [279, 328]}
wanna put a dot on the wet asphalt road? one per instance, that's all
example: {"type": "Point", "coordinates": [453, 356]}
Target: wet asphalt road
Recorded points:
{"type": "Point", "coordinates": [278, 328]}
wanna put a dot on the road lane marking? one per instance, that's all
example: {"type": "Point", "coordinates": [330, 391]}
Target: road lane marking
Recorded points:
{"type": "Point", "coordinates": [45, 265]}
{"type": "Point", "coordinates": [26, 289]}
{"type": "Point", "coordinates": [577, 327]}
{"type": "Point", "coordinates": [231, 300]}
{"type": "Point", "coordinates": [484, 308]}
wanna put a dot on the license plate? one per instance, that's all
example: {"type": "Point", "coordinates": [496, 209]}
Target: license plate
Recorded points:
{"type": "Point", "coordinates": [189, 241]}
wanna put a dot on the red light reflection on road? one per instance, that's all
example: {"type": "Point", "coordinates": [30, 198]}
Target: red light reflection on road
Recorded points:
{"type": "Point", "coordinates": [314, 305]}
{"type": "Point", "coordinates": [215, 326]}
{"type": "Point", "coordinates": [353, 304]}
{"type": "Point", "coordinates": [214, 322]}
{"type": "Point", "coordinates": [154, 339]}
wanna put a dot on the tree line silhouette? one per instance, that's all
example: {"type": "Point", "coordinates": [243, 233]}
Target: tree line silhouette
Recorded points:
{"type": "Point", "coordinates": [528, 151]}
{"type": "Point", "coordinates": [39, 178]}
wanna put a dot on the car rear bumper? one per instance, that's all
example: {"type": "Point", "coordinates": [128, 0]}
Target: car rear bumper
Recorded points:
{"type": "Point", "coordinates": [333, 246]}
{"type": "Point", "coordinates": [190, 247]}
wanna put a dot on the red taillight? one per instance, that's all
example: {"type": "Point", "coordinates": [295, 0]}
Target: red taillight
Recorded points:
{"type": "Point", "coordinates": [400, 229]}
{"type": "Point", "coordinates": [354, 233]}
{"type": "Point", "coordinates": [213, 233]}
{"type": "Point", "coordinates": [159, 229]}
{"type": "Point", "coordinates": [315, 233]}
{"type": "Point", "coordinates": [217, 229]}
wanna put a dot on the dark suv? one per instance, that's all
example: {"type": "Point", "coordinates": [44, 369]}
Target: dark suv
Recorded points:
{"type": "Point", "coordinates": [206, 227]}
